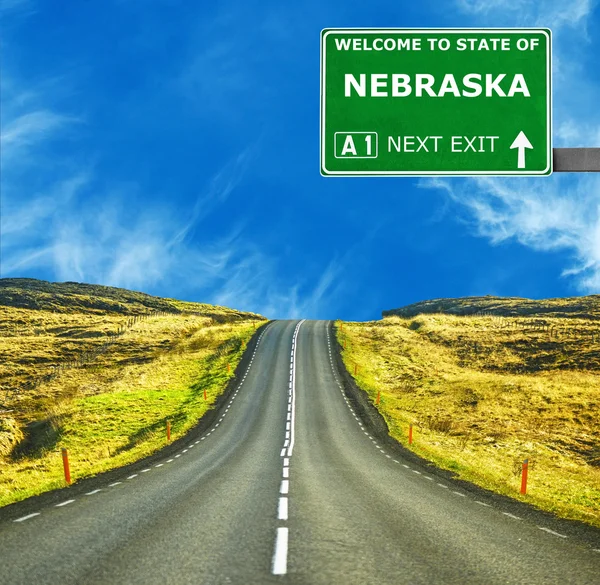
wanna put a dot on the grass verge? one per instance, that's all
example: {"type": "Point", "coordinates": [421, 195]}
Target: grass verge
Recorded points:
{"type": "Point", "coordinates": [100, 374]}
{"type": "Point", "coordinates": [482, 398]}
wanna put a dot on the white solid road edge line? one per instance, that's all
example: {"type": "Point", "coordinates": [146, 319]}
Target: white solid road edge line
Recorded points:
{"type": "Point", "coordinates": [280, 554]}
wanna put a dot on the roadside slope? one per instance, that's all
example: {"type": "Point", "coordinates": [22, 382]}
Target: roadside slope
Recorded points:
{"type": "Point", "coordinates": [99, 370]}
{"type": "Point", "coordinates": [483, 393]}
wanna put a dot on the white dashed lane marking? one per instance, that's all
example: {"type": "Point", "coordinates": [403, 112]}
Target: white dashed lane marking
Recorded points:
{"type": "Point", "coordinates": [553, 533]}
{"type": "Point", "coordinates": [27, 517]}
{"type": "Point", "coordinates": [282, 513]}
{"type": "Point", "coordinates": [279, 563]}
{"type": "Point", "coordinates": [281, 550]}
{"type": "Point", "coordinates": [362, 428]}
{"type": "Point", "coordinates": [133, 476]}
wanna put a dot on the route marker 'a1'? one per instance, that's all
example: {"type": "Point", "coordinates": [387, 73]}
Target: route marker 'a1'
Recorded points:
{"type": "Point", "coordinates": [436, 102]}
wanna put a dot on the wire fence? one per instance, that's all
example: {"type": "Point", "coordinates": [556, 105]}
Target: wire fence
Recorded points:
{"type": "Point", "coordinates": [85, 358]}
{"type": "Point", "coordinates": [555, 332]}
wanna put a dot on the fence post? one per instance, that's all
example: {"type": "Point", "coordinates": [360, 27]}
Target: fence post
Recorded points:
{"type": "Point", "coordinates": [524, 476]}
{"type": "Point", "coordinates": [67, 470]}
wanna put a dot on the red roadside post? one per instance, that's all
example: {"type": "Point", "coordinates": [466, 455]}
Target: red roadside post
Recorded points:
{"type": "Point", "coordinates": [410, 435]}
{"type": "Point", "coordinates": [524, 476]}
{"type": "Point", "coordinates": [228, 367]}
{"type": "Point", "coordinates": [65, 458]}
{"type": "Point", "coordinates": [378, 397]}
{"type": "Point", "coordinates": [204, 393]}
{"type": "Point", "coordinates": [168, 431]}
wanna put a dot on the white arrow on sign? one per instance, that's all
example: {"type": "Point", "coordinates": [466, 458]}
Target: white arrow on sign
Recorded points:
{"type": "Point", "coordinates": [521, 142]}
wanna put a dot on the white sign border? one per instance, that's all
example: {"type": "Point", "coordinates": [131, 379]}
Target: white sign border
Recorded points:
{"type": "Point", "coordinates": [513, 30]}
{"type": "Point", "coordinates": [346, 157]}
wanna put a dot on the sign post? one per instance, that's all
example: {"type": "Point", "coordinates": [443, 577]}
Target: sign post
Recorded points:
{"type": "Point", "coordinates": [436, 102]}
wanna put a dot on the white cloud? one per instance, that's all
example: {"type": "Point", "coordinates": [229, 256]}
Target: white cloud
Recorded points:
{"type": "Point", "coordinates": [544, 214]}
{"type": "Point", "coordinates": [61, 220]}
{"type": "Point", "coordinates": [554, 14]}
{"type": "Point", "coordinates": [562, 212]}
{"type": "Point", "coordinates": [149, 246]}
{"type": "Point", "coordinates": [30, 128]}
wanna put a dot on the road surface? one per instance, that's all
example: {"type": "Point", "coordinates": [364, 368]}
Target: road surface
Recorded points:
{"type": "Point", "coordinates": [288, 486]}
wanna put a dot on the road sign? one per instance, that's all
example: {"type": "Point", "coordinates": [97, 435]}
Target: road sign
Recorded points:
{"type": "Point", "coordinates": [436, 102]}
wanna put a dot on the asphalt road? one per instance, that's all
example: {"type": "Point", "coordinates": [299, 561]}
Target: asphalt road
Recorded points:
{"type": "Point", "coordinates": [288, 486]}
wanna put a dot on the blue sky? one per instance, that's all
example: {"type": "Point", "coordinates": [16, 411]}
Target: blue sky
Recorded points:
{"type": "Point", "coordinates": [173, 147]}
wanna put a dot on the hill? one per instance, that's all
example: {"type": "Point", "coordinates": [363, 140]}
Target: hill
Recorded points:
{"type": "Point", "coordinates": [587, 307]}
{"type": "Point", "coordinates": [70, 297]}
{"type": "Point", "coordinates": [99, 370]}
{"type": "Point", "coordinates": [487, 382]}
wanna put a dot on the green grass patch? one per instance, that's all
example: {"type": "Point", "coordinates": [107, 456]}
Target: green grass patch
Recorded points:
{"type": "Point", "coordinates": [112, 409]}
{"type": "Point", "coordinates": [112, 429]}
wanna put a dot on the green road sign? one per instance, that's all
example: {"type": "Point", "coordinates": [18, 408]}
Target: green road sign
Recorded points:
{"type": "Point", "coordinates": [436, 102]}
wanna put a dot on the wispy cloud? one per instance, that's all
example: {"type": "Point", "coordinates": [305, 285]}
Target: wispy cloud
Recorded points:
{"type": "Point", "coordinates": [560, 213]}
{"type": "Point", "coordinates": [149, 246]}
{"type": "Point", "coordinates": [66, 218]}
{"type": "Point", "coordinates": [106, 240]}
{"type": "Point", "coordinates": [30, 129]}
{"type": "Point", "coordinates": [219, 189]}
{"type": "Point", "coordinates": [548, 13]}
{"type": "Point", "coordinates": [557, 215]}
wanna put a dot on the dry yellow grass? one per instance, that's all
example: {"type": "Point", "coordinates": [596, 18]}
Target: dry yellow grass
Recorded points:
{"type": "Point", "coordinates": [108, 407]}
{"type": "Point", "coordinates": [484, 393]}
